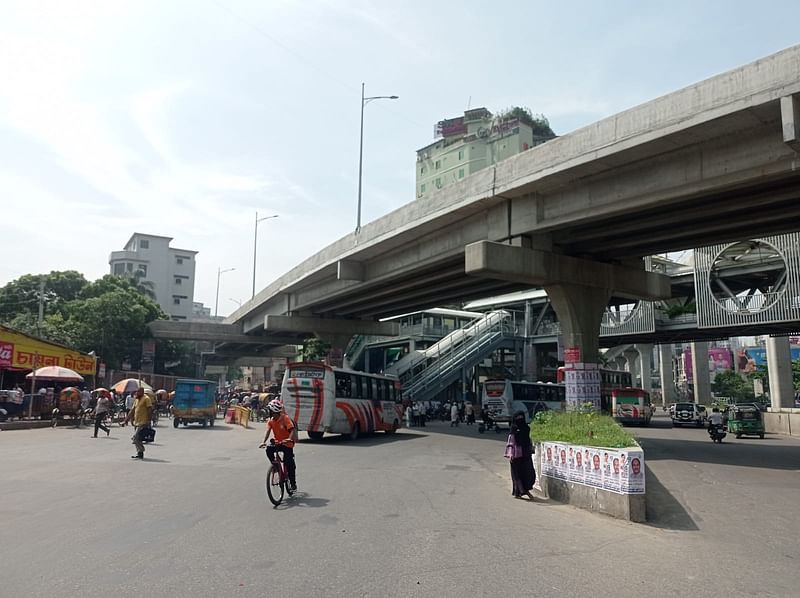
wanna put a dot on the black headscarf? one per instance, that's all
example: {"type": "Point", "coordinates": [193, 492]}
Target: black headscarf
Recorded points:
{"type": "Point", "coordinates": [520, 430]}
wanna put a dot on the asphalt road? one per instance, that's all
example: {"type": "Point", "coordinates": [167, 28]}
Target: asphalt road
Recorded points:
{"type": "Point", "coordinates": [427, 512]}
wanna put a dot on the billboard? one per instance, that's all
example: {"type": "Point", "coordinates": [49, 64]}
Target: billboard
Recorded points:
{"type": "Point", "coordinates": [719, 360]}
{"type": "Point", "coordinates": [749, 358]}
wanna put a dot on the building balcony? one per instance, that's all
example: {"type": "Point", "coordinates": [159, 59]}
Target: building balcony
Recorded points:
{"type": "Point", "coordinates": [117, 256]}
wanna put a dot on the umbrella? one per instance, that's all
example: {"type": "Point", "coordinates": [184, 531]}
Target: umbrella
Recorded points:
{"type": "Point", "coordinates": [161, 391]}
{"type": "Point", "coordinates": [56, 373]}
{"type": "Point", "coordinates": [103, 392]}
{"type": "Point", "coordinates": [130, 385]}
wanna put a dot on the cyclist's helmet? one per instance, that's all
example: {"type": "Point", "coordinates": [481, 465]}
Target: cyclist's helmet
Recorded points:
{"type": "Point", "coordinates": [275, 406]}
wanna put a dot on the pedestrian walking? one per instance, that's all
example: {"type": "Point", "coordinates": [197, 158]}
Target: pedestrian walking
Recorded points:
{"type": "Point", "coordinates": [140, 413]}
{"type": "Point", "coordinates": [519, 451]}
{"type": "Point", "coordinates": [454, 414]}
{"type": "Point", "coordinates": [470, 411]}
{"type": "Point", "coordinates": [409, 416]}
{"type": "Point", "coordinates": [100, 412]}
{"type": "Point", "coordinates": [128, 406]}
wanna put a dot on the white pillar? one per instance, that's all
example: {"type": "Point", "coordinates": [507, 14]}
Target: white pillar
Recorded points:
{"type": "Point", "coordinates": [632, 355]}
{"type": "Point", "coordinates": [667, 374]}
{"type": "Point", "coordinates": [646, 366]}
{"type": "Point", "coordinates": [779, 364]}
{"type": "Point", "coordinates": [700, 377]}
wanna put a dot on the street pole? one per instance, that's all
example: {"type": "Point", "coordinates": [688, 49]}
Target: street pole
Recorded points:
{"type": "Point", "coordinates": [255, 253]}
{"type": "Point", "coordinates": [255, 247]}
{"type": "Point", "coordinates": [220, 272]}
{"type": "Point", "coordinates": [360, 160]}
{"type": "Point", "coordinates": [364, 102]}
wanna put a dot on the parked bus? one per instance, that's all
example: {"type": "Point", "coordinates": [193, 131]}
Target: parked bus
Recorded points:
{"type": "Point", "coordinates": [609, 380]}
{"type": "Point", "coordinates": [503, 398]}
{"type": "Point", "coordinates": [321, 398]}
{"type": "Point", "coordinates": [631, 406]}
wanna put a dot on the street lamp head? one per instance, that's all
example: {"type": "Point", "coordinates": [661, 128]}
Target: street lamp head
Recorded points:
{"type": "Point", "coordinates": [394, 97]}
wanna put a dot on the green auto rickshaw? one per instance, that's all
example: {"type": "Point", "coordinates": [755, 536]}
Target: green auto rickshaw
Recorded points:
{"type": "Point", "coordinates": [745, 420]}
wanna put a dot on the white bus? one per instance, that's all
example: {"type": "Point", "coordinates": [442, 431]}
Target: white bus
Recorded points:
{"type": "Point", "coordinates": [321, 399]}
{"type": "Point", "coordinates": [503, 398]}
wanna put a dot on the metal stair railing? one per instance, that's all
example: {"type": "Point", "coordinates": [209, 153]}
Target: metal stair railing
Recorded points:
{"type": "Point", "coordinates": [452, 341]}
{"type": "Point", "coordinates": [442, 368]}
{"type": "Point", "coordinates": [355, 347]}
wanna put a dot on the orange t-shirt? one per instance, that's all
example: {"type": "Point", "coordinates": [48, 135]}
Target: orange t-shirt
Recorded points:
{"type": "Point", "coordinates": [282, 429]}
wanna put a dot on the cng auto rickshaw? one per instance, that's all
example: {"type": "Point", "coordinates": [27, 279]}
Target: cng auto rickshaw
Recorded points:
{"type": "Point", "coordinates": [745, 420]}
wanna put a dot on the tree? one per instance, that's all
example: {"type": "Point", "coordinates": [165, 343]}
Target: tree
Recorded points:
{"type": "Point", "coordinates": [108, 316]}
{"type": "Point", "coordinates": [22, 295]}
{"type": "Point", "coordinates": [145, 287]}
{"type": "Point", "coordinates": [537, 122]}
{"type": "Point", "coordinates": [730, 384]}
{"type": "Point", "coordinates": [314, 349]}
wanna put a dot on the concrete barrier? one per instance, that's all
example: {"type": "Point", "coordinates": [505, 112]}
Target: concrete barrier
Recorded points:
{"type": "Point", "coordinates": [613, 490]}
{"type": "Point", "coordinates": [782, 421]}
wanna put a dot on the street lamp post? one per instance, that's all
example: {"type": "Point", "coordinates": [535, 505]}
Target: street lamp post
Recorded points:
{"type": "Point", "coordinates": [364, 102]}
{"type": "Point", "coordinates": [220, 272]}
{"type": "Point", "coordinates": [255, 247]}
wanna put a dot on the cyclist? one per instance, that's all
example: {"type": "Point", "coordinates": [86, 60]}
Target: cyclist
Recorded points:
{"type": "Point", "coordinates": [282, 427]}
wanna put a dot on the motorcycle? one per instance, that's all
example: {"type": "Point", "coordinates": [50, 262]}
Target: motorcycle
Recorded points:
{"type": "Point", "coordinates": [716, 432]}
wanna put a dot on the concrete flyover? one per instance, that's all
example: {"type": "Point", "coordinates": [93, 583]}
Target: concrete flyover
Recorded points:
{"type": "Point", "coordinates": [714, 162]}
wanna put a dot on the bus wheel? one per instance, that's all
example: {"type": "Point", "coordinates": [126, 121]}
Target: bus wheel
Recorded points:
{"type": "Point", "coordinates": [393, 429]}
{"type": "Point", "coordinates": [355, 431]}
{"type": "Point", "coordinates": [315, 435]}
{"type": "Point", "coordinates": [176, 422]}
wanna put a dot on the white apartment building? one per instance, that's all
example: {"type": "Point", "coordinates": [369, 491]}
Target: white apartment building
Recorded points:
{"type": "Point", "coordinates": [468, 143]}
{"type": "Point", "coordinates": [170, 270]}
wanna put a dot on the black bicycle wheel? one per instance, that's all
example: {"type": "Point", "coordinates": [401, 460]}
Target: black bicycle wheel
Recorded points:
{"type": "Point", "coordinates": [275, 485]}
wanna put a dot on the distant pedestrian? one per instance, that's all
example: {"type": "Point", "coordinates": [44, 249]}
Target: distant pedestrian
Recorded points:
{"type": "Point", "coordinates": [519, 451]}
{"type": "Point", "coordinates": [454, 414]}
{"type": "Point", "coordinates": [470, 411]}
{"type": "Point", "coordinates": [100, 412]}
{"type": "Point", "coordinates": [409, 416]}
{"type": "Point", "coordinates": [128, 406]}
{"type": "Point", "coordinates": [140, 413]}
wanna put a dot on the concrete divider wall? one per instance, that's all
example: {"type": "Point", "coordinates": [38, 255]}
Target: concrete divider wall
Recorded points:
{"type": "Point", "coordinates": [616, 503]}
{"type": "Point", "coordinates": [784, 421]}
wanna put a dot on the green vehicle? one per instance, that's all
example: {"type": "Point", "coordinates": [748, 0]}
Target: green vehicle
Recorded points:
{"type": "Point", "coordinates": [745, 420]}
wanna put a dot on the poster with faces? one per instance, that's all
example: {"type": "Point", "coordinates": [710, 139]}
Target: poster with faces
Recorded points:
{"type": "Point", "coordinates": [633, 472]}
{"type": "Point", "coordinates": [615, 470]}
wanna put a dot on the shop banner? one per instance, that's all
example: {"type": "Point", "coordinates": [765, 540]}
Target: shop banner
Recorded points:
{"type": "Point", "coordinates": [615, 470]}
{"type": "Point", "coordinates": [21, 351]}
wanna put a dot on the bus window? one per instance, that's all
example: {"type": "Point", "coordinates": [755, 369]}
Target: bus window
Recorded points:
{"type": "Point", "coordinates": [344, 385]}
{"type": "Point", "coordinates": [373, 388]}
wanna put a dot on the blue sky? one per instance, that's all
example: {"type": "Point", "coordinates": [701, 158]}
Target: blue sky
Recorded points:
{"type": "Point", "coordinates": [182, 118]}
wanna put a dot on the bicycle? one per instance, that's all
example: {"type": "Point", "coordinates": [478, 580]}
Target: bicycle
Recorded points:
{"type": "Point", "coordinates": [277, 478]}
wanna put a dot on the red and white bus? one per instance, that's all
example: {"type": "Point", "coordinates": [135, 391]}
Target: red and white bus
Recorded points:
{"type": "Point", "coordinates": [321, 398]}
{"type": "Point", "coordinates": [631, 406]}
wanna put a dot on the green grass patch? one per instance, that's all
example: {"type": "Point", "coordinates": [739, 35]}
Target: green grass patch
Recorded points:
{"type": "Point", "coordinates": [574, 427]}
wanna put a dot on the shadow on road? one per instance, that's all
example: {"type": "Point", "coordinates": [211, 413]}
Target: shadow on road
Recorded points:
{"type": "Point", "coordinates": [664, 511]}
{"type": "Point", "coordinates": [365, 440]}
{"type": "Point", "coordinates": [741, 453]}
{"type": "Point", "coordinates": [302, 499]}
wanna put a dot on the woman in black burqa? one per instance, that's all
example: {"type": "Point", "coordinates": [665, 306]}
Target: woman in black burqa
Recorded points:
{"type": "Point", "coordinates": [523, 475]}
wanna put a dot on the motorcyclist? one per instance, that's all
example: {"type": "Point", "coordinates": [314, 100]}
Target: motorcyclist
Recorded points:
{"type": "Point", "coordinates": [715, 419]}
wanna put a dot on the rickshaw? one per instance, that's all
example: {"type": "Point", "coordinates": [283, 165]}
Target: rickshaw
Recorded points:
{"type": "Point", "coordinates": [745, 420]}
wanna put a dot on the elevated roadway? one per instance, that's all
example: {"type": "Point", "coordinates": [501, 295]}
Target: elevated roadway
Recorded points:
{"type": "Point", "coordinates": [716, 161]}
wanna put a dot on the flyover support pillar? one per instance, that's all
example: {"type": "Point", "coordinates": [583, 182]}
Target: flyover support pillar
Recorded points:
{"type": "Point", "coordinates": [700, 377]}
{"type": "Point", "coordinates": [667, 374]}
{"type": "Point", "coordinates": [632, 357]}
{"type": "Point", "coordinates": [646, 366]}
{"type": "Point", "coordinates": [779, 364]}
{"type": "Point", "coordinates": [580, 310]}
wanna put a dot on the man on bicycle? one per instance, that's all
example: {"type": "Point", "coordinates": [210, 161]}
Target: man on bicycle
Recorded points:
{"type": "Point", "coordinates": [282, 427]}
